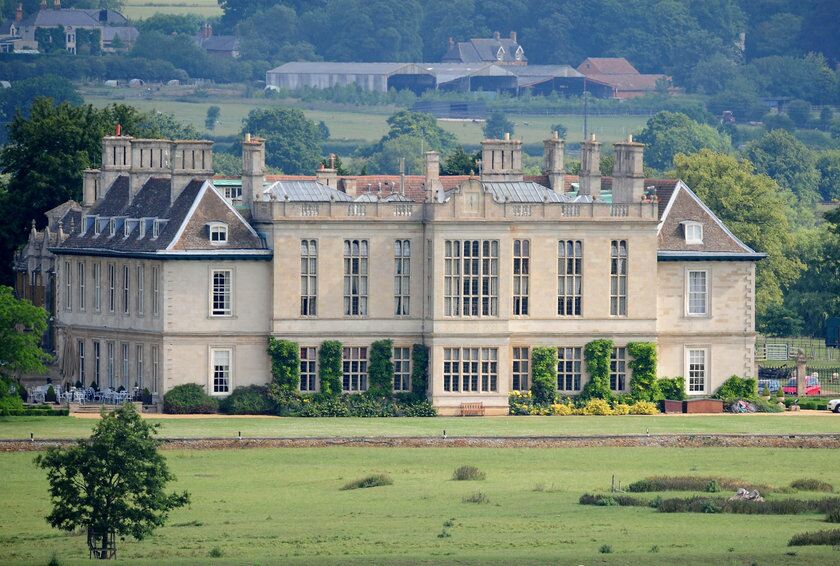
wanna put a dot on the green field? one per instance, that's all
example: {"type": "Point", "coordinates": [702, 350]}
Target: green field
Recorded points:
{"type": "Point", "coordinates": [367, 124]}
{"type": "Point", "coordinates": [781, 423]}
{"type": "Point", "coordinates": [286, 506]}
{"type": "Point", "coordinates": [140, 9]}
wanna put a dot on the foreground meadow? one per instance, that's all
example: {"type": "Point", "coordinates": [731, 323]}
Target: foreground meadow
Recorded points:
{"type": "Point", "coordinates": [176, 426]}
{"type": "Point", "coordinates": [286, 506]}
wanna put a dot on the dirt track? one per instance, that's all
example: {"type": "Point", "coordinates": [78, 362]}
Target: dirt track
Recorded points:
{"type": "Point", "coordinates": [654, 440]}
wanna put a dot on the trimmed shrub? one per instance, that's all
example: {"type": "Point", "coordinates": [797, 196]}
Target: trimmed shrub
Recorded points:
{"type": "Point", "coordinates": [736, 388]}
{"type": "Point", "coordinates": [562, 409]}
{"type": "Point", "coordinates": [605, 549]}
{"type": "Point", "coordinates": [621, 409]}
{"type": "Point", "coordinates": [544, 375]}
{"type": "Point", "coordinates": [468, 473]}
{"type": "Point", "coordinates": [643, 408]}
{"type": "Point", "coordinates": [596, 407]}
{"type": "Point", "coordinates": [50, 396]}
{"type": "Point", "coordinates": [643, 384]}
{"type": "Point", "coordinates": [672, 388]}
{"type": "Point", "coordinates": [419, 370]}
{"type": "Point", "coordinates": [329, 364]}
{"type": "Point", "coordinates": [285, 363]}
{"type": "Point", "coordinates": [810, 484]}
{"type": "Point", "coordinates": [375, 480]}
{"type": "Point", "coordinates": [11, 405]}
{"type": "Point", "coordinates": [250, 400]}
{"type": "Point", "coordinates": [831, 538]}
{"type": "Point", "coordinates": [477, 497]}
{"type": "Point", "coordinates": [189, 399]}
{"type": "Point", "coordinates": [381, 369]}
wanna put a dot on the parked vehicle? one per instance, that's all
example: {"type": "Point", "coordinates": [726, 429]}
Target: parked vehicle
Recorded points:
{"type": "Point", "coordinates": [834, 405]}
{"type": "Point", "coordinates": [812, 386]}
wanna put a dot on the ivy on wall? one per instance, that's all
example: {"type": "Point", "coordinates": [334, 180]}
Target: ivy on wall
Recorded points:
{"type": "Point", "coordinates": [643, 385]}
{"type": "Point", "coordinates": [51, 40]}
{"type": "Point", "coordinates": [329, 372]}
{"type": "Point", "coordinates": [544, 375]}
{"type": "Point", "coordinates": [419, 370]}
{"type": "Point", "coordinates": [88, 41]}
{"type": "Point", "coordinates": [597, 356]}
{"type": "Point", "coordinates": [285, 363]}
{"type": "Point", "coordinates": [381, 369]}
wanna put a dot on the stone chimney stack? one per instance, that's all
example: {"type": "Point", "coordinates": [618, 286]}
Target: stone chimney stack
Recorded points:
{"type": "Point", "coordinates": [206, 31]}
{"type": "Point", "coordinates": [501, 160]}
{"type": "Point", "coordinates": [116, 160]}
{"type": "Point", "coordinates": [42, 5]}
{"type": "Point", "coordinates": [513, 36]}
{"type": "Point", "coordinates": [19, 13]}
{"type": "Point", "coordinates": [149, 158]}
{"type": "Point", "coordinates": [497, 35]}
{"type": "Point", "coordinates": [328, 175]}
{"type": "Point", "coordinates": [628, 172]}
{"type": "Point", "coordinates": [451, 42]}
{"type": "Point", "coordinates": [253, 169]}
{"type": "Point", "coordinates": [57, 4]}
{"type": "Point", "coordinates": [553, 163]}
{"type": "Point", "coordinates": [190, 159]}
{"type": "Point", "coordinates": [432, 171]}
{"type": "Point", "coordinates": [590, 172]}
{"type": "Point", "coordinates": [90, 187]}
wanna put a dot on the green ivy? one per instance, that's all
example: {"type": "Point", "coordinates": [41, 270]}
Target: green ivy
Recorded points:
{"type": "Point", "coordinates": [381, 369]}
{"type": "Point", "coordinates": [285, 363]}
{"type": "Point", "coordinates": [419, 370]}
{"type": "Point", "coordinates": [544, 375]}
{"type": "Point", "coordinates": [643, 384]}
{"type": "Point", "coordinates": [329, 361]}
{"type": "Point", "coordinates": [737, 387]}
{"type": "Point", "coordinates": [597, 356]}
{"type": "Point", "coordinates": [51, 40]}
{"type": "Point", "coordinates": [88, 41]}
{"type": "Point", "coordinates": [672, 388]}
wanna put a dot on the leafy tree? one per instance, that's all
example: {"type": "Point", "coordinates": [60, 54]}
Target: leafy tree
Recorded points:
{"type": "Point", "coordinates": [329, 368]}
{"type": "Point", "coordinates": [544, 375]}
{"type": "Point", "coordinates": [171, 24]}
{"type": "Point", "coordinates": [112, 483]}
{"type": "Point", "coordinates": [387, 159]}
{"type": "Point", "coordinates": [421, 126]}
{"type": "Point", "coordinates": [781, 321]}
{"type": "Point", "coordinates": [21, 327]}
{"type": "Point", "coordinates": [826, 118]}
{"type": "Point", "coordinates": [496, 126]}
{"type": "Point", "coordinates": [212, 117]}
{"type": "Point", "coordinates": [828, 166]}
{"type": "Point", "coordinates": [227, 164]}
{"type": "Point", "coordinates": [800, 112]}
{"type": "Point", "coordinates": [337, 164]}
{"type": "Point", "coordinates": [285, 363]}
{"type": "Point", "coordinates": [788, 161]}
{"type": "Point", "coordinates": [381, 369]}
{"type": "Point", "coordinates": [560, 129]}
{"type": "Point", "coordinates": [809, 78]}
{"type": "Point", "coordinates": [756, 211]}
{"type": "Point", "coordinates": [668, 133]}
{"type": "Point", "coordinates": [459, 162]}
{"type": "Point", "coordinates": [161, 125]}
{"type": "Point", "coordinates": [324, 130]}
{"type": "Point", "coordinates": [293, 142]}
{"type": "Point", "coordinates": [22, 93]}
{"type": "Point", "coordinates": [779, 121]}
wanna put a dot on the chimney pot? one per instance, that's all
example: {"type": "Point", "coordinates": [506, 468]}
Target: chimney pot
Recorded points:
{"type": "Point", "coordinates": [507, 136]}
{"type": "Point", "coordinates": [247, 138]}
{"type": "Point", "coordinates": [118, 130]}
{"type": "Point", "coordinates": [496, 35]}
{"type": "Point", "coordinates": [513, 36]}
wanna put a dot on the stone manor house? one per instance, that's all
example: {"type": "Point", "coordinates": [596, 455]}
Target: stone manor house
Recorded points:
{"type": "Point", "coordinates": [163, 275]}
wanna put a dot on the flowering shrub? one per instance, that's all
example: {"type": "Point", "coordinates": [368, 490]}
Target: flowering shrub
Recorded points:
{"type": "Point", "coordinates": [596, 407]}
{"type": "Point", "coordinates": [562, 409]}
{"type": "Point", "coordinates": [621, 409]}
{"type": "Point", "coordinates": [643, 408]}
{"type": "Point", "coordinates": [520, 402]}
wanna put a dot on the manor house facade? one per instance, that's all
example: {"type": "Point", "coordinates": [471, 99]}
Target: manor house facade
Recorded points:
{"type": "Point", "coordinates": [165, 275]}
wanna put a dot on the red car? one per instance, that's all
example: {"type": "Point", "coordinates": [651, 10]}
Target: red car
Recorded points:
{"type": "Point", "coordinates": [812, 386]}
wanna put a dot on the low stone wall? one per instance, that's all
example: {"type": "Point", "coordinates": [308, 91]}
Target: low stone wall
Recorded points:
{"type": "Point", "coordinates": [626, 441]}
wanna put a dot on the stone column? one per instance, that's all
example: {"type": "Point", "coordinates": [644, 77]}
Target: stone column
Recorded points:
{"type": "Point", "coordinates": [800, 373]}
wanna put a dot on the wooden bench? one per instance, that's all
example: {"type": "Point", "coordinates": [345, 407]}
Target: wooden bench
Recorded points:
{"type": "Point", "coordinates": [472, 409]}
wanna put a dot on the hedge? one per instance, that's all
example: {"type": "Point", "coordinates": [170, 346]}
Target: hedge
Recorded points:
{"type": "Point", "coordinates": [189, 399]}
{"type": "Point", "coordinates": [250, 400]}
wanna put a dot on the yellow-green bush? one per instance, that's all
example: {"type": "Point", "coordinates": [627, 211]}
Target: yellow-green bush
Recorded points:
{"type": "Point", "coordinates": [562, 409]}
{"type": "Point", "coordinates": [621, 409]}
{"type": "Point", "coordinates": [596, 407]}
{"type": "Point", "coordinates": [643, 408]}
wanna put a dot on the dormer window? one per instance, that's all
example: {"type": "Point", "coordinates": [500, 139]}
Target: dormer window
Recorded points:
{"type": "Point", "coordinates": [112, 226]}
{"type": "Point", "coordinates": [693, 232]}
{"type": "Point", "coordinates": [519, 53]}
{"type": "Point", "coordinates": [500, 54]}
{"type": "Point", "coordinates": [142, 227]}
{"type": "Point", "coordinates": [155, 229]}
{"type": "Point", "coordinates": [218, 233]}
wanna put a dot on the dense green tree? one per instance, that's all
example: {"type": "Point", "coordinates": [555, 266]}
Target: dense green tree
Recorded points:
{"type": "Point", "coordinates": [777, 35]}
{"type": "Point", "coordinates": [800, 112]}
{"type": "Point", "coordinates": [788, 161]}
{"type": "Point", "coordinates": [496, 126]}
{"type": "Point", "coordinates": [809, 78]}
{"type": "Point", "coordinates": [171, 24]}
{"type": "Point", "coordinates": [561, 130]}
{"type": "Point", "coordinates": [20, 96]}
{"type": "Point", "coordinates": [778, 121]}
{"type": "Point", "coordinates": [828, 165]}
{"type": "Point", "coordinates": [779, 320]}
{"type": "Point", "coordinates": [459, 162]}
{"type": "Point", "coordinates": [668, 133]}
{"type": "Point", "coordinates": [293, 142]}
{"type": "Point", "coordinates": [756, 211]}
{"type": "Point", "coordinates": [273, 34]}
{"type": "Point", "coordinates": [112, 484]}
{"type": "Point", "coordinates": [227, 164]}
{"type": "Point", "coordinates": [21, 327]}
{"type": "Point", "coordinates": [212, 117]}
{"type": "Point", "coordinates": [387, 158]}
{"type": "Point", "coordinates": [420, 125]}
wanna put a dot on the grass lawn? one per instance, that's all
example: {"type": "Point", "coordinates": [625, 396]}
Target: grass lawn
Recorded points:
{"type": "Point", "coordinates": [141, 9]}
{"type": "Point", "coordinates": [72, 427]}
{"type": "Point", "coordinates": [368, 123]}
{"type": "Point", "coordinates": [286, 506]}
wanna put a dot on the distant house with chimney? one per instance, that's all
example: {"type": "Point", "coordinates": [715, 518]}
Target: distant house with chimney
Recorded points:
{"type": "Point", "coordinates": [77, 31]}
{"type": "Point", "coordinates": [219, 45]}
{"type": "Point", "coordinates": [498, 51]}
{"type": "Point", "coordinates": [618, 74]}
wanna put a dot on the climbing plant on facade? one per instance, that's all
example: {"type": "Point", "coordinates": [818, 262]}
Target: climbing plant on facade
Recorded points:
{"type": "Point", "coordinates": [544, 375]}
{"type": "Point", "coordinates": [419, 370]}
{"type": "Point", "coordinates": [285, 363]}
{"type": "Point", "coordinates": [381, 369]}
{"type": "Point", "coordinates": [643, 384]}
{"type": "Point", "coordinates": [329, 362]}
{"type": "Point", "coordinates": [597, 356]}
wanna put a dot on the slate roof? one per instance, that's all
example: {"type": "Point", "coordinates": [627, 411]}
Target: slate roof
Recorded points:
{"type": "Point", "coordinates": [607, 66]}
{"type": "Point", "coordinates": [479, 50]}
{"type": "Point", "coordinates": [225, 43]}
{"type": "Point", "coordinates": [527, 191]}
{"type": "Point", "coordinates": [304, 191]}
{"type": "Point", "coordinates": [63, 17]}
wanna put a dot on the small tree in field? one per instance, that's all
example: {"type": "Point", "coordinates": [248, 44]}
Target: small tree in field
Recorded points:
{"type": "Point", "coordinates": [111, 484]}
{"type": "Point", "coordinates": [212, 118]}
